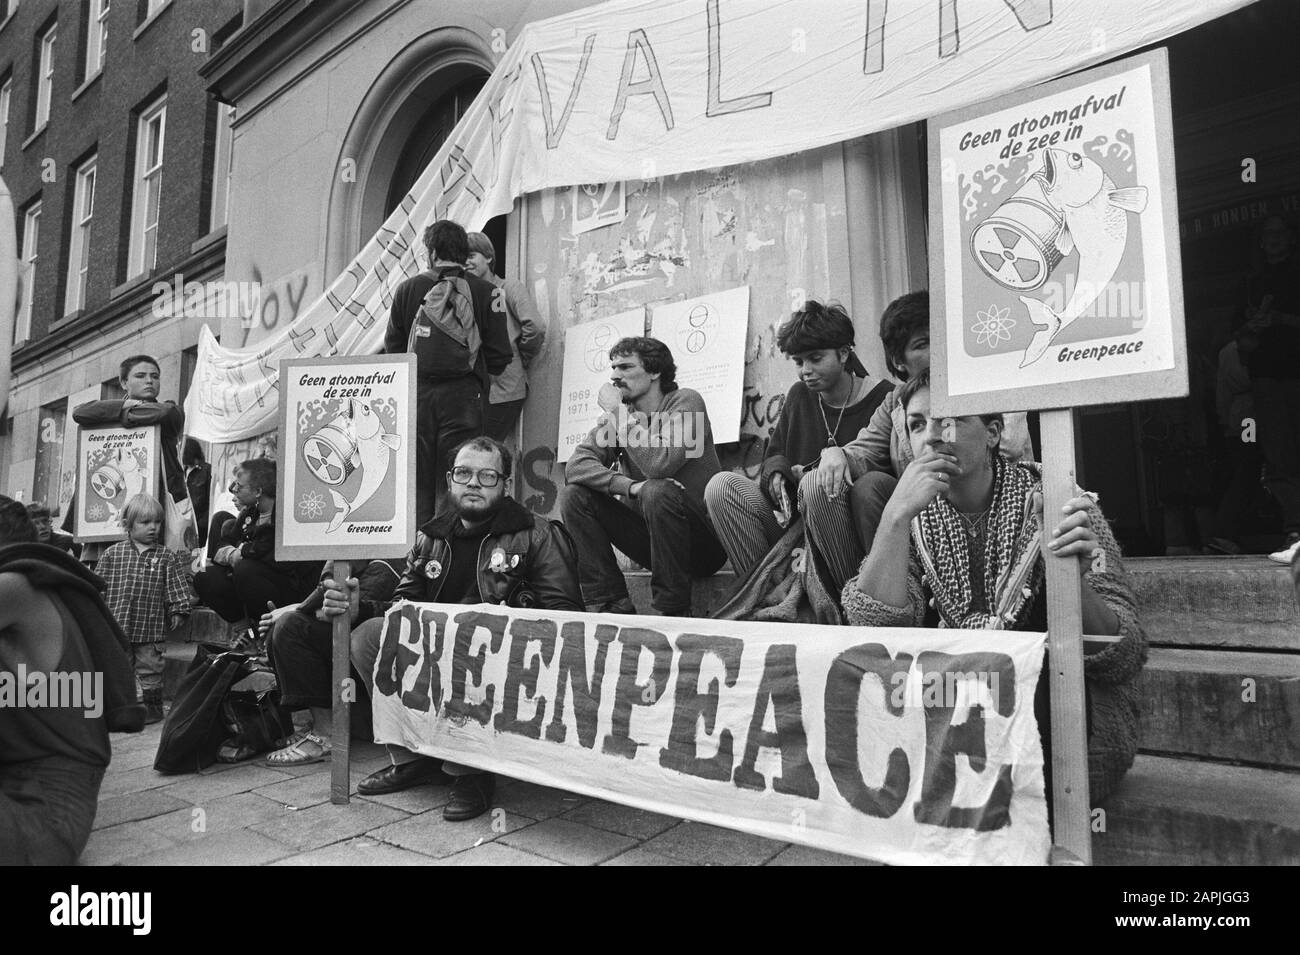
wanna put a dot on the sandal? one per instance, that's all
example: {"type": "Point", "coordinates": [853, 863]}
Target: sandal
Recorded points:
{"type": "Point", "coordinates": [294, 754]}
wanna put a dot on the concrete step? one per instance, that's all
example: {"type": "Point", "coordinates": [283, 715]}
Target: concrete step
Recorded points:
{"type": "Point", "coordinates": [1232, 602]}
{"type": "Point", "coordinates": [1220, 704]}
{"type": "Point", "coordinates": [1242, 603]}
{"type": "Point", "coordinates": [1183, 812]}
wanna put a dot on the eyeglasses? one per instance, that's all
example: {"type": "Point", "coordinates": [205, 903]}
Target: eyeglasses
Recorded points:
{"type": "Point", "coordinates": [487, 477]}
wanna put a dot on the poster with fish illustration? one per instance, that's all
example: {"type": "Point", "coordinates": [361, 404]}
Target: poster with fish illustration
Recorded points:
{"type": "Point", "coordinates": [1055, 272]}
{"type": "Point", "coordinates": [114, 464]}
{"type": "Point", "coordinates": [346, 481]}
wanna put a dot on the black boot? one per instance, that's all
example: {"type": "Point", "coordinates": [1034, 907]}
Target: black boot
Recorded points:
{"type": "Point", "coordinates": [153, 707]}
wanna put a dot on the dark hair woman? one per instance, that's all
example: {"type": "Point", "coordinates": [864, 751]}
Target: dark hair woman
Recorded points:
{"type": "Point", "coordinates": [829, 404]}
{"type": "Point", "coordinates": [958, 545]}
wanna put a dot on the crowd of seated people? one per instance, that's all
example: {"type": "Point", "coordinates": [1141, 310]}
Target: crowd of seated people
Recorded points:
{"type": "Point", "coordinates": [906, 519]}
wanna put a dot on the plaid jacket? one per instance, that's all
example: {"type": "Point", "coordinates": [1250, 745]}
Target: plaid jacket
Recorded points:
{"type": "Point", "coordinates": [143, 589]}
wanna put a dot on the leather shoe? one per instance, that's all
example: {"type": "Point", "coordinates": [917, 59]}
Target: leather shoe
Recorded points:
{"type": "Point", "coordinates": [470, 797]}
{"type": "Point", "coordinates": [424, 771]}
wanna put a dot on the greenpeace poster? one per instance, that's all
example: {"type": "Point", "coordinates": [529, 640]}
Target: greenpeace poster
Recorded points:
{"type": "Point", "coordinates": [904, 746]}
{"type": "Point", "coordinates": [631, 89]}
{"type": "Point", "coordinates": [113, 466]}
{"type": "Point", "coordinates": [347, 482]}
{"type": "Point", "coordinates": [1059, 259]}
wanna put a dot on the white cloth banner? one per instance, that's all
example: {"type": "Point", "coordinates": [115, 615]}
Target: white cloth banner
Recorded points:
{"type": "Point", "coordinates": [904, 746]}
{"type": "Point", "coordinates": [646, 88]}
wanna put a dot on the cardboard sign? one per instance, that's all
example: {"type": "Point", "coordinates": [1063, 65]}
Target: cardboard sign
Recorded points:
{"type": "Point", "coordinates": [346, 482]}
{"type": "Point", "coordinates": [586, 368]}
{"type": "Point", "coordinates": [707, 338]}
{"type": "Point", "coordinates": [1056, 279]}
{"type": "Point", "coordinates": [114, 464]}
{"type": "Point", "coordinates": [905, 746]}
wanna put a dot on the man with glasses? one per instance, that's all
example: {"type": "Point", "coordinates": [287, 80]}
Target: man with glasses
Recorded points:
{"type": "Point", "coordinates": [484, 548]}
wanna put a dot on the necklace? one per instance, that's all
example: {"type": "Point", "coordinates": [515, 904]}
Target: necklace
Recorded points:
{"type": "Point", "coordinates": [975, 525]}
{"type": "Point", "coordinates": [831, 432]}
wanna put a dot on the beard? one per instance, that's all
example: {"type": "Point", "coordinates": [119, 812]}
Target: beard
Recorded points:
{"type": "Point", "coordinates": [477, 509]}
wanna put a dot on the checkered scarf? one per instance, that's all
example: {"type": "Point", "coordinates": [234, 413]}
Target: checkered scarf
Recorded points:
{"type": "Point", "coordinates": [1013, 571]}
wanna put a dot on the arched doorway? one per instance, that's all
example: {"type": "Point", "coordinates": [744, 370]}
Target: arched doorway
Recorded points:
{"type": "Point", "coordinates": [404, 119]}
{"type": "Point", "coordinates": [427, 137]}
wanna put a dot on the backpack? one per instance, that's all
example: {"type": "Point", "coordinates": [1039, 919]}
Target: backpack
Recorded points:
{"type": "Point", "coordinates": [445, 336]}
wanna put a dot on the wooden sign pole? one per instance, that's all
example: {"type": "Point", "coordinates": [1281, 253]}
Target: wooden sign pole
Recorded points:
{"type": "Point", "coordinates": [1071, 815]}
{"type": "Point", "coordinates": [340, 780]}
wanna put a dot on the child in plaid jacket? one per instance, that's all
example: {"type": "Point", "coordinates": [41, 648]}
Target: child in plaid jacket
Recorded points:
{"type": "Point", "coordinates": [148, 594]}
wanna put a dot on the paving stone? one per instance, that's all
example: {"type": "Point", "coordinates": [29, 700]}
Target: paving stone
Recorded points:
{"type": "Point", "coordinates": [299, 791]}
{"type": "Point", "coordinates": [807, 855]}
{"type": "Point", "coordinates": [358, 852]}
{"type": "Point", "coordinates": [623, 819]}
{"type": "Point", "coordinates": [415, 800]}
{"type": "Point", "coordinates": [533, 801]}
{"type": "Point", "coordinates": [143, 805]}
{"type": "Point", "coordinates": [131, 759]}
{"type": "Point", "coordinates": [224, 814]}
{"type": "Point", "coordinates": [642, 856]}
{"type": "Point", "coordinates": [194, 788]}
{"type": "Point", "coordinates": [494, 853]}
{"type": "Point", "coordinates": [241, 847]}
{"type": "Point", "coordinates": [711, 845]}
{"type": "Point", "coordinates": [133, 781]}
{"type": "Point", "coordinates": [326, 823]}
{"type": "Point", "coordinates": [569, 842]}
{"type": "Point", "coordinates": [116, 844]}
{"type": "Point", "coordinates": [432, 835]}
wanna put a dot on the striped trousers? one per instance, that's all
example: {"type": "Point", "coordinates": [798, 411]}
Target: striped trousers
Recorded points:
{"type": "Point", "coordinates": [841, 528]}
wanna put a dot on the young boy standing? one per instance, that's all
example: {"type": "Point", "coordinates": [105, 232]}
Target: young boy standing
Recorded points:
{"type": "Point", "coordinates": [148, 594]}
{"type": "Point", "coordinates": [141, 380]}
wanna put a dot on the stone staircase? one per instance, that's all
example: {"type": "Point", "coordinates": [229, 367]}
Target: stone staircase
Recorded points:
{"type": "Point", "coordinates": [1218, 777]}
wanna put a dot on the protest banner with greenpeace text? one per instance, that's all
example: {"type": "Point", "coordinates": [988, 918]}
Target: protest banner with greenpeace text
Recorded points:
{"type": "Point", "coordinates": [904, 746]}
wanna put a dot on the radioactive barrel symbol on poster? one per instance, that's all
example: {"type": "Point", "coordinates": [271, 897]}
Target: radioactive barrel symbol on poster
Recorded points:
{"type": "Point", "coordinates": [352, 439]}
{"type": "Point", "coordinates": [1017, 246]}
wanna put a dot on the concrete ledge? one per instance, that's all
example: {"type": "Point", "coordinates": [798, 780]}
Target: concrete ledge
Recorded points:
{"type": "Point", "coordinates": [1181, 812]}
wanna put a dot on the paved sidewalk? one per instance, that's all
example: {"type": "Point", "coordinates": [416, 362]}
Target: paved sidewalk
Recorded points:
{"type": "Point", "coordinates": [248, 814]}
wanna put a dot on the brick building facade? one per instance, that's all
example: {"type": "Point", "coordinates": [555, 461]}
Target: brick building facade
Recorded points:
{"type": "Point", "coordinates": [117, 158]}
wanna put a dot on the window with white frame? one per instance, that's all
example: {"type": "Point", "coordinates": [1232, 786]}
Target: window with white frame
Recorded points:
{"type": "Point", "coordinates": [221, 170]}
{"type": "Point", "coordinates": [147, 188]}
{"type": "Point", "coordinates": [96, 36]}
{"type": "Point", "coordinates": [31, 235]}
{"type": "Point", "coordinates": [83, 209]}
{"type": "Point", "coordinates": [45, 77]}
{"type": "Point", "coordinates": [6, 94]}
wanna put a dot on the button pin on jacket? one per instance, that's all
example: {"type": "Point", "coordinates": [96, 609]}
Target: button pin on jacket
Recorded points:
{"type": "Point", "coordinates": [433, 570]}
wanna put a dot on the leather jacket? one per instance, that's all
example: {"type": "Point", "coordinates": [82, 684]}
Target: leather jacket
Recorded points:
{"type": "Point", "coordinates": [524, 561]}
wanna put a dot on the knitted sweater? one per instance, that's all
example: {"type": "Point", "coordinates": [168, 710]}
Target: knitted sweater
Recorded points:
{"type": "Point", "coordinates": [651, 450]}
{"type": "Point", "coordinates": [1111, 673]}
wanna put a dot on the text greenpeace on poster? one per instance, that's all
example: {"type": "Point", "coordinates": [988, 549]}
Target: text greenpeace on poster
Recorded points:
{"type": "Point", "coordinates": [899, 745]}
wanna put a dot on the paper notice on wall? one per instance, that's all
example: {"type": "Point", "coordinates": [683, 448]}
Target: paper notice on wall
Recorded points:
{"type": "Point", "coordinates": [707, 338]}
{"type": "Point", "coordinates": [586, 368]}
